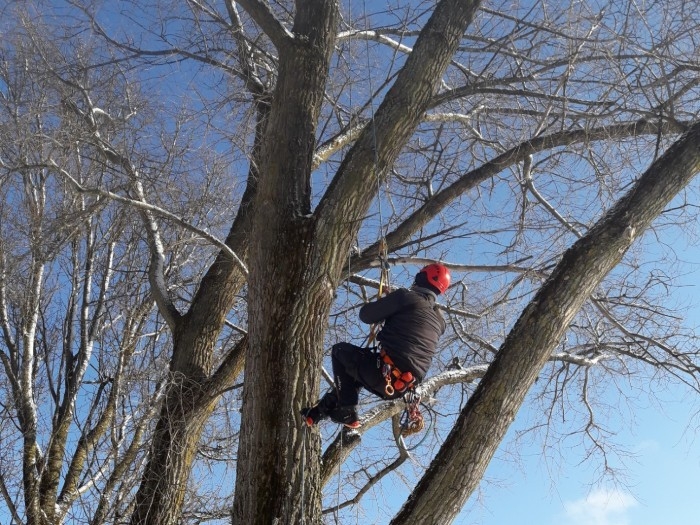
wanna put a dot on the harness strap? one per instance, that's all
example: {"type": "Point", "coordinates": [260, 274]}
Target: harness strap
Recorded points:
{"type": "Point", "coordinates": [396, 380]}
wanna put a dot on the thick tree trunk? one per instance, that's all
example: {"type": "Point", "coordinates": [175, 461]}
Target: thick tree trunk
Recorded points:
{"type": "Point", "coordinates": [296, 258]}
{"type": "Point", "coordinates": [467, 451]}
{"type": "Point", "coordinates": [162, 491]}
{"type": "Point", "coordinates": [288, 303]}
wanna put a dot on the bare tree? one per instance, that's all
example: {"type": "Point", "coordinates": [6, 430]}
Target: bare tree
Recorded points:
{"type": "Point", "coordinates": [237, 164]}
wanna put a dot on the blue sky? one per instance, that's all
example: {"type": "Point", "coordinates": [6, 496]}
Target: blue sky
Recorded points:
{"type": "Point", "coordinates": [659, 479]}
{"type": "Point", "coordinates": [658, 483]}
{"type": "Point", "coordinates": [662, 482]}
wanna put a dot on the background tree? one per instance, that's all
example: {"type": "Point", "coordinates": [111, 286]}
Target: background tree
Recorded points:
{"type": "Point", "coordinates": [489, 138]}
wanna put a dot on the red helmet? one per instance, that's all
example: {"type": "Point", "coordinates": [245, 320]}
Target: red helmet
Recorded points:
{"type": "Point", "coordinates": [438, 276]}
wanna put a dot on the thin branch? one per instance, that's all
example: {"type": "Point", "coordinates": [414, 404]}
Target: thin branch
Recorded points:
{"type": "Point", "coordinates": [8, 500]}
{"type": "Point", "coordinates": [245, 57]}
{"type": "Point", "coordinates": [373, 480]}
{"type": "Point", "coordinates": [514, 155]}
{"type": "Point", "coordinates": [530, 185]}
{"type": "Point", "coordinates": [156, 210]}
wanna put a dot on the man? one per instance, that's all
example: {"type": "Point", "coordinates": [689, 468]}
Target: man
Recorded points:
{"type": "Point", "coordinates": [407, 343]}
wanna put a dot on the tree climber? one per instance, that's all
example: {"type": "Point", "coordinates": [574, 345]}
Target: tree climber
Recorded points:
{"type": "Point", "coordinates": [407, 343]}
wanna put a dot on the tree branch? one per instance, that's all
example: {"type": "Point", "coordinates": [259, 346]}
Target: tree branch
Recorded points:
{"type": "Point", "coordinates": [489, 412]}
{"type": "Point", "coordinates": [228, 370]}
{"type": "Point", "coordinates": [347, 440]}
{"type": "Point", "coordinates": [421, 216]}
{"type": "Point", "coordinates": [8, 500]}
{"type": "Point", "coordinates": [140, 205]}
{"type": "Point", "coordinates": [343, 206]}
{"type": "Point", "coordinates": [263, 16]}
{"type": "Point", "coordinates": [530, 185]}
{"type": "Point", "coordinates": [156, 266]}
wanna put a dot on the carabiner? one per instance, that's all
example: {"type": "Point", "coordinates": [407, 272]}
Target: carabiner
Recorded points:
{"type": "Point", "coordinates": [388, 389]}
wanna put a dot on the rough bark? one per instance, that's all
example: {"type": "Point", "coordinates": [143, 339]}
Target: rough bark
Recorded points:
{"type": "Point", "coordinates": [191, 395]}
{"type": "Point", "coordinates": [286, 299]}
{"type": "Point", "coordinates": [460, 464]}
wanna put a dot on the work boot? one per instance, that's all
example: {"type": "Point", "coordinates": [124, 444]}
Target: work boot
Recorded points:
{"type": "Point", "coordinates": [312, 415]}
{"type": "Point", "coordinates": [345, 416]}
{"type": "Point", "coordinates": [319, 412]}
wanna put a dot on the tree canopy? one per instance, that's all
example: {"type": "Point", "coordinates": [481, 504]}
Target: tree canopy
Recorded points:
{"type": "Point", "coordinates": [198, 196]}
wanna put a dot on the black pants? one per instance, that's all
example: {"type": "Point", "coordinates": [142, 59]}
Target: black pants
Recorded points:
{"type": "Point", "coordinates": [355, 367]}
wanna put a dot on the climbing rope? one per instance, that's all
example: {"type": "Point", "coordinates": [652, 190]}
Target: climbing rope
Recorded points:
{"type": "Point", "coordinates": [383, 284]}
{"type": "Point", "coordinates": [383, 248]}
{"type": "Point", "coordinates": [431, 420]}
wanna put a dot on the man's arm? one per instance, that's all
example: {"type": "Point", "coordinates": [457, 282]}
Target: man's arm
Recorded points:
{"type": "Point", "coordinates": [383, 307]}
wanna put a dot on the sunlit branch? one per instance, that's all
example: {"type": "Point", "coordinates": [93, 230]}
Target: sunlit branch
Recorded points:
{"type": "Point", "coordinates": [336, 145]}
{"type": "Point", "coordinates": [156, 210]}
{"type": "Point", "coordinates": [156, 267]}
{"type": "Point", "coordinates": [340, 449]}
{"type": "Point", "coordinates": [530, 185]}
{"type": "Point", "coordinates": [11, 361]}
{"type": "Point", "coordinates": [579, 360]}
{"type": "Point", "coordinates": [380, 37]}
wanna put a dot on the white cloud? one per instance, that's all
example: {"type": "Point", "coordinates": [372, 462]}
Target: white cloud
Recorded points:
{"type": "Point", "coordinates": [600, 507]}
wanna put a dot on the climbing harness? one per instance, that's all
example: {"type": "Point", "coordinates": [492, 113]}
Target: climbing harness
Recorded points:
{"type": "Point", "coordinates": [396, 380]}
{"type": "Point", "coordinates": [403, 382]}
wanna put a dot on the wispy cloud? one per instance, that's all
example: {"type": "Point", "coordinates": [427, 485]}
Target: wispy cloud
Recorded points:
{"type": "Point", "coordinates": [600, 507]}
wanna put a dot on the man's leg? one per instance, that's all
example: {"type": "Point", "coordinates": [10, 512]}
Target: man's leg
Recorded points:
{"type": "Point", "coordinates": [339, 403]}
{"type": "Point", "coordinates": [354, 367]}
{"type": "Point", "coordinates": [347, 359]}
{"type": "Point", "coordinates": [350, 365]}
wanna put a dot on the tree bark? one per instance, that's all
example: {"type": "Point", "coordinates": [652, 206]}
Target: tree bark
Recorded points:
{"type": "Point", "coordinates": [460, 464]}
{"type": "Point", "coordinates": [190, 397]}
{"type": "Point", "coordinates": [287, 300]}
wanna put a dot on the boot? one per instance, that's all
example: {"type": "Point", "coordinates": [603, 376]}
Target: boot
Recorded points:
{"type": "Point", "coordinates": [319, 412]}
{"type": "Point", "coordinates": [312, 415]}
{"type": "Point", "coordinates": [346, 415]}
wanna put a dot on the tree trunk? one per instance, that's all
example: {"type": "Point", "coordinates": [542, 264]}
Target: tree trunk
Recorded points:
{"type": "Point", "coordinates": [188, 399]}
{"type": "Point", "coordinates": [289, 298]}
{"type": "Point", "coordinates": [480, 428]}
